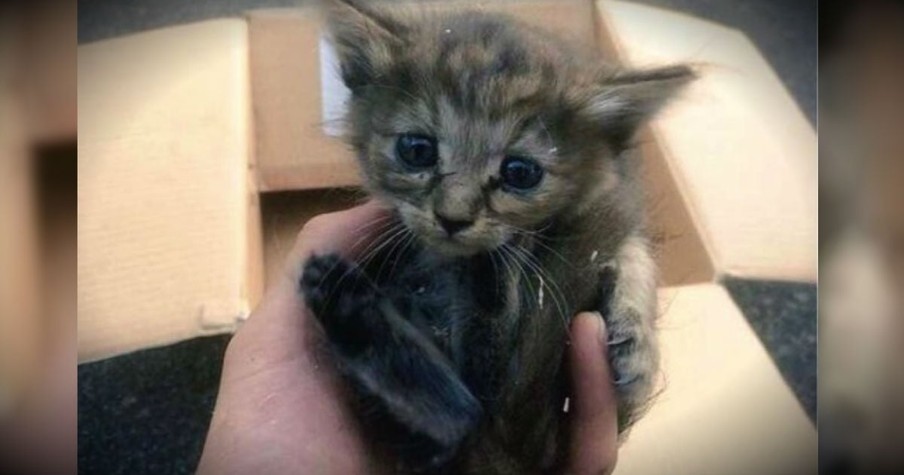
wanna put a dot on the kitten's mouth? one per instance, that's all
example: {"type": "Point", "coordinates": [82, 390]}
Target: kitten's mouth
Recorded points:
{"type": "Point", "coordinates": [453, 246]}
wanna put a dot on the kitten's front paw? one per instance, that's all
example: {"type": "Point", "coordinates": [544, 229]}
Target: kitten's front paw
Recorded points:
{"type": "Point", "coordinates": [634, 361]}
{"type": "Point", "coordinates": [336, 290]}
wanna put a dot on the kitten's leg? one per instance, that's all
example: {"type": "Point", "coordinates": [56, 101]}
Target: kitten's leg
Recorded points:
{"type": "Point", "coordinates": [408, 388]}
{"type": "Point", "coordinates": [630, 316]}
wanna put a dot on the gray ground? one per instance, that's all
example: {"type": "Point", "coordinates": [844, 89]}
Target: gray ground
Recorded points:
{"type": "Point", "coordinates": [148, 412]}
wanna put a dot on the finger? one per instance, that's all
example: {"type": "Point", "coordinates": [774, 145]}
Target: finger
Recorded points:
{"type": "Point", "coordinates": [595, 427]}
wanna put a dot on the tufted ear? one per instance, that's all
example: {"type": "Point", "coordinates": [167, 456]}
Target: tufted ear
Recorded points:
{"type": "Point", "coordinates": [629, 99]}
{"type": "Point", "coordinates": [365, 37]}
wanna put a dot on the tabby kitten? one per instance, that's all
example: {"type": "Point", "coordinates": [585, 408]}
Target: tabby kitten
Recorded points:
{"type": "Point", "coordinates": [504, 153]}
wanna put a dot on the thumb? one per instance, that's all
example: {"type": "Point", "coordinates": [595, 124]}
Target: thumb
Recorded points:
{"type": "Point", "coordinates": [594, 437]}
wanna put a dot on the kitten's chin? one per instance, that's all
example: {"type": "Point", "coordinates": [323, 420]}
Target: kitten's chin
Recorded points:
{"type": "Point", "coordinates": [453, 248]}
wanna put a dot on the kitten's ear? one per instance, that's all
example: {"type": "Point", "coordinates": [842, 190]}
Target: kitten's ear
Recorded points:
{"type": "Point", "coordinates": [628, 99]}
{"type": "Point", "coordinates": [365, 37]}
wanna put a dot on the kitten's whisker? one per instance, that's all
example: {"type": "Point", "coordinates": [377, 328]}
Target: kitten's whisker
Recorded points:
{"type": "Point", "coordinates": [399, 242]}
{"type": "Point", "coordinates": [353, 247]}
{"type": "Point", "coordinates": [395, 232]}
{"type": "Point", "coordinates": [533, 259]}
{"type": "Point", "coordinates": [356, 243]}
{"type": "Point", "coordinates": [547, 247]}
{"type": "Point", "coordinates": [384, 232]}
{"type": "Point", "coordinates": [527, 281]}
{"type": "Point", "coordinates": [383, 221]}
{"type": "Point", "coordinates": [347, 272]}
{"type": "Point", "coordinates": [378, 219]}
{"type": "Point", "coordinates": [535, 299]}
{"type": "Point", "coordinates": [558, 254]}
{"type": "Point", "coordinates": [411, 238]}
{"type": "Point", "coordinates": [505, 263]}
{"type": "Point", "coordinates": [556, 293]}
{"type": "Point", "coordinates": [515, 277]}
{"type": "Point", "coordinates": [537, 292]}
{"type": "Point", "coordinates": [496, 276]}
{"type": "Point", "coordinates": [537, 233]}
{"type": "Point", "coordinates": [394, 229]}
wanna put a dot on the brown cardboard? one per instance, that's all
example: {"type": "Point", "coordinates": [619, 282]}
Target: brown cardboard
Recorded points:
{"type": "Point", "coordinates": [724, 408]}
{"type": "Point", "coordinates": [285, 213]}
{"type": "Point", "coordinates": [681, 255]}
{"type": "Point", "coordinates": [291, 150]}
{"type": "Point", "coordinates": [163, 187]}
{"type": "Point", "coordinates": [738, 146]}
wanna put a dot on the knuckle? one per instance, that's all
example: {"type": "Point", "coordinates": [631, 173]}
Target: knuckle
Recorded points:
{"type": "Point", "coordinates": [313, 226]}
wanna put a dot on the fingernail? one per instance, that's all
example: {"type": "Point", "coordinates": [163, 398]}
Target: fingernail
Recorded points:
{"type": "Point", "coordinates": [603, 334]}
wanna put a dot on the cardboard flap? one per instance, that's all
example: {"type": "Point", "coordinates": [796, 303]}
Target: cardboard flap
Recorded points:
{"type": "Point", "coordinates": [738, 146]}
{"type": "Point", "coordinates": [724, 407]}
{"type": "Point", "coordinates": [163, 193]}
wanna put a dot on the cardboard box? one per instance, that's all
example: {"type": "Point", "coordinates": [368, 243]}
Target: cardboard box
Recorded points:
{"type": "Point", "coordinates": [204, 148]}
{"type": "Point", "coordinates": [737, 145]}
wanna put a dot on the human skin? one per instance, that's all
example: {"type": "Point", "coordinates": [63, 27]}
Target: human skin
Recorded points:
{"type": "Point", "coordinates": [282, 408]}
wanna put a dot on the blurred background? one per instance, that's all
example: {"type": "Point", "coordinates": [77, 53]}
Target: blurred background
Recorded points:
{"type": "Point", "coordinates": [37, 237]}
{"type": "Point", "coordinates": [861, 115]}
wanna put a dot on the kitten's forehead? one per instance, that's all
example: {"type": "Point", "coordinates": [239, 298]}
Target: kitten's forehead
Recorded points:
{"type": "Point", "coordinates": [484, 65]}
{"type": "Point", "coordinates": [472, 134]}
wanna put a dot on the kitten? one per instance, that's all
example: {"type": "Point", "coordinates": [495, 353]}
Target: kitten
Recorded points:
{"type": "Point", "coordinates": [505, 155]}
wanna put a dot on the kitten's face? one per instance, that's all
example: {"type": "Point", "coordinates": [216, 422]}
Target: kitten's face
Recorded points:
{"type": "Point", "coordinates": [464, 181]}
{"type": "Point", "coordinates": [476, 128]}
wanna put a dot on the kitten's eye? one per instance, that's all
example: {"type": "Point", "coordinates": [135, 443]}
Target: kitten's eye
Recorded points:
{"type": "Point", "coordinates": [520, 173]}
{"type": "Point", "coordinates": [417, 151]}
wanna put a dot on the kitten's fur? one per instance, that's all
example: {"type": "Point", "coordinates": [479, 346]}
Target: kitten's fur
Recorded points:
{"type": "Point", "coordinates": [455, 345]}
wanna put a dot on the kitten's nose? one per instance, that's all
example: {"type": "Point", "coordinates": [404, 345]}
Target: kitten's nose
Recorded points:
{"type": "Point", "coordinates": [453, 226]}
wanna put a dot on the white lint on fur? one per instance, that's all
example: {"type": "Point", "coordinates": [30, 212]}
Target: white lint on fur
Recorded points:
{"type": "Point", "coordinates": [540, 292]}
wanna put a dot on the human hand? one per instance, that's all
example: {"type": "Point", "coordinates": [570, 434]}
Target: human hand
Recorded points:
{"type": "Point", "coordinates": [281, 408]}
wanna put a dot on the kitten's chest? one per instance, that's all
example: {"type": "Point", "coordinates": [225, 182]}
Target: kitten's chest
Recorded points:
{"type": "Point", "coordinates": [445, 296]}
{"type": "Point", "coordinates": [465, 306]}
